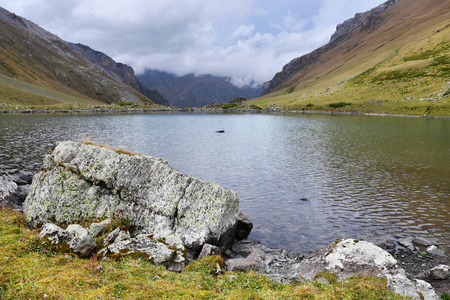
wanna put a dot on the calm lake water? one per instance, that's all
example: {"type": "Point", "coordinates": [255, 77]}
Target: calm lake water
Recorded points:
{"type": "Point", "coordinates": [303, 180]}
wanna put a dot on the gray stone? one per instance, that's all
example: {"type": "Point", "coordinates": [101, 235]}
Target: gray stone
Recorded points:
{"type": "Point", "coordinates": [416, 289]}
{"type": "Point", "coordinates": [346, 258]}
{"type": "Point", "coordinates": [435, 251]}
{"type": "Point", "coordinates": [244, 227]}
{"type": "Point", "coordinates": [22, 177]}
{"type": "Point", "coordinates": [75, 238]}
{"type": "Point", "coordinates": [424, 242]}
{"type": "Point", "coordinates": [96, 229]}
{"type": "Point", "coordinates": [82, 243]}
{"type": "Point", "coordinates": [209, 250]}
{"type": "Point", "coordinates": [175, 243]}
{"type": "Point", "coordinates": [8, 191]}
{"type": "Point", "coordinates": [253, 261]}
{"type": "Point", "coordinates": [110, 238]}
{"type": "Point", "coordinates": [145, 246]}
{"type": "Point", "coordinates": [78, 182]}
{"type": "Point", "coordinates": [440, 272]}
{"type": "Point", "coordinates": [407, 243]}
{"type": "Point", "coordinates": [122, 236]}
{"type": "Point", "coordinates": [55, 234]}
{"type": "Point", "coordinates": [22, 193]}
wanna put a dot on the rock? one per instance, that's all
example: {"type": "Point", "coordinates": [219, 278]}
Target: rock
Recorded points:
{"type": "Point", "coordinates": [56, 236]}
{"type": "Point", "coordinates": [8, 192]}
{"type": "Point", "coordinates": [435, 251]}
{"type": "Point", "coordinates": [175, 243]}
{"type": "Point", "coordinates": [424, 242]}
{"type": "Point", "coordinates": [79, 182]}
{"type": "Point", "coordinates": [252, 262]}
{"type": "Point", "coordinates": [82, 243]}
{"type": "Point", "coordinates": [110, 238]}
{"type": "Point", "coordinates": [244, 227]}
{"type": "Point", "coordinates": [416, 289]}
{"type": "Point", "coordinates": [407, 243]}
{"type": "Point", "coordinates": [21, 177]}
{"type": "Point", "coordinates": [440, 272]}
{"type": "Point", "coordinates": [96, 229]}
{"type": "Point", "coordinates": [145, 246]}
{"type": "Point", "coordinates": [346, 258]}
{"type": "Point", "coordinates": [75, 238]}
{"type": "Point", "coordinates": [209, 250]}
{"type": "Point", "coordinates": [22, 193]}
{"type": "Point", "coordinates": [122, 236]}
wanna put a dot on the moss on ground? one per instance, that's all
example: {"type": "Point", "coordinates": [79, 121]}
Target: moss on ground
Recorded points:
{"type": "Point", "coordinates": [31, 269]}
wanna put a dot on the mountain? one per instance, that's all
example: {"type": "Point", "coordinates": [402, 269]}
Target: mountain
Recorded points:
{"type": "Point", "coordinates": [118, 71]}
{"type": "Point", "coordinates": [39, 68]}
{"type": "Point", "coordinates": [195, 90]}
{"type": "Point", "coordinates": [394, 58]}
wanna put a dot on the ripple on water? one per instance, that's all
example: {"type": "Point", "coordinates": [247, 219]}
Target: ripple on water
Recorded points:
{"type": "Point", "coordinates": [363, 177]}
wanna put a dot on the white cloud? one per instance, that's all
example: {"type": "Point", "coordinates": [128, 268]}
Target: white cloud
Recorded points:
{"type": "Point", "coordinates": [243, 31]}
{"type": "Point", "coordinates": [243, 39]}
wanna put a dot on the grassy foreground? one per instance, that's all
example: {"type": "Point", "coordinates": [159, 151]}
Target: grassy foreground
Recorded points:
{"type": "Point", "coordinates": [30, 269]}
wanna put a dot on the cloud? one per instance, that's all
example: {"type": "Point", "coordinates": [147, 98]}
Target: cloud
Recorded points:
{"type": "Point", "coordinates": [243, 31]}
{"type": "Point", "coordinates": [247, 40]}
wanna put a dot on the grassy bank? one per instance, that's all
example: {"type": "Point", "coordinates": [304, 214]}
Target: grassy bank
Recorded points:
{"type": "Point", "coordinates": [30, 269]}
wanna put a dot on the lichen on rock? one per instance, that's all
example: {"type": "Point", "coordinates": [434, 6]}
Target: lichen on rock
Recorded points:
{"type": "Point", "coordinates": [80, 182]}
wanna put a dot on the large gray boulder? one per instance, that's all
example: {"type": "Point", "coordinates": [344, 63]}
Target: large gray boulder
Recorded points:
{"type": "Point", "coordinates": [79, 181]}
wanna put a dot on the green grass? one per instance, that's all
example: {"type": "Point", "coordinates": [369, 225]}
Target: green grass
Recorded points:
{"type": "Point", "coordinates": [30, 269]}
{"type": "Point", "coordinates": [17, 92]}
{"type": "Point", "coordinates": [229, 105]}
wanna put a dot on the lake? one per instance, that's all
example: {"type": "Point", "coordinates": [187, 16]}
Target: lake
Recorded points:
{"type": "Point", "coordinates": [303, 180]}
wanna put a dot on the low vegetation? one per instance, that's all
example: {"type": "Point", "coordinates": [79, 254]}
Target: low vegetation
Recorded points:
{"type": "Point", "coordinates": [87, 141]}
{"type": "Point", "coordinates": [31, 269]}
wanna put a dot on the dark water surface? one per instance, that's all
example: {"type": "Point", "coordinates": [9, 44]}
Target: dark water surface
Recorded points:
{"type": "Point", "coordinates": [303, 180]}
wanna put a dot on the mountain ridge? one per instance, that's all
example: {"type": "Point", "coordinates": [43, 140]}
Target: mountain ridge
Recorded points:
{"type": "Point", "coordinates": [35, 56]}
{"type": "Point", "coordinates": [195, 90]}
{"type": "Point", "coordinates": [396, 61]}
{"type": "Point", "coordinates": [363, 21]}
{"type": "Point", "coordinates": [121, 72]}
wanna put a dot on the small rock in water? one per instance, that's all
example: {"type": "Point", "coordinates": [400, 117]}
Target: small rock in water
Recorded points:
{"type": "Point", "coordinates": [424, 242]}
{"type": "Point", "coordinates": [407, 244]}
{"type": "Point", "coordinates": [435, 251]}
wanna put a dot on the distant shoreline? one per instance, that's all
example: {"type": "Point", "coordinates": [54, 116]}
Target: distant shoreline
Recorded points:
{"type": "Point", "coordinates": [210, 110]}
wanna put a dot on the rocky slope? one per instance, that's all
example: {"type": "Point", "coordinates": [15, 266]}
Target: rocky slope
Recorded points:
{"type": "Point", "coordinates": [119, 71]}
{"type": "Point", "coordinates": [362, 21]}
{"type": "Point", "coordinates": [195, 90]}
{"type": "Point", "coordinates": [33, 55]}
{"type": "Point", "coordinates": [391, 59]}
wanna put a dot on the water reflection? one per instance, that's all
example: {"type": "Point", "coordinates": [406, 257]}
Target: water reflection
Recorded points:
{"type": "Point", "coordinates": [303, 180]}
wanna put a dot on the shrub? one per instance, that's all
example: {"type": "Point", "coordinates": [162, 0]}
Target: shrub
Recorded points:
{"type": "Point", "coordinates": [290, 89]}
{"type": "Point", "coordinates": [229, 105]}
{"type": "Point", "coordinates": [338, 104]}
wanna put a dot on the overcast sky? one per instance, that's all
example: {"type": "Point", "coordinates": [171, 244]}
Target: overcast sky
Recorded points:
{"type": "Point", "coordinates": [242, 39]}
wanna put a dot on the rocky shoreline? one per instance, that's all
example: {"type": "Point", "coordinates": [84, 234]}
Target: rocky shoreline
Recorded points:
{"type": "Point", "coordinates": [273, 109]}
{"type": "Point", "coordinates": [78, 172]}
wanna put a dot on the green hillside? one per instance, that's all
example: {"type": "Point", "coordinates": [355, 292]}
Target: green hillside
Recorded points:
{"type": "Point", "coordinates": [401, 66]}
